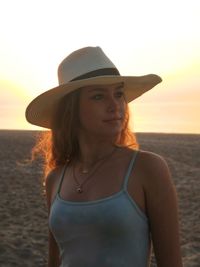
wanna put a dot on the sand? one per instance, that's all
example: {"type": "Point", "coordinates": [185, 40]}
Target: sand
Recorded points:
{"type": "Point", "coordinates": [23, 213]}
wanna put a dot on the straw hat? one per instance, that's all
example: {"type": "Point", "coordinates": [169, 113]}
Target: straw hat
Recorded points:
{"type": "Point", "coordinates": [86, 66]}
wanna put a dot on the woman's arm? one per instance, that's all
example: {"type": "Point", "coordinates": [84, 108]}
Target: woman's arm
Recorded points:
{"type": "Point", "coordinates": [53, 255]}
{"type": "Point", "coordinates": [162, 211]}
{"type": "Point", "coordinates": [53, 251]}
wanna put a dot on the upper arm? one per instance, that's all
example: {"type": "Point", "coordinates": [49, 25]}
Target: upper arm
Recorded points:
{"type": "Point", "coordinates": [162, 208]}
{"type": "Point", "coordinates": [49, 187]}
{"type": "Point", "coordinates": [51, 184]}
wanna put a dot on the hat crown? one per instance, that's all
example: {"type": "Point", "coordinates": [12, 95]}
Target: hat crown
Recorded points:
{"type": "Point", "coordinates": [81, 62]}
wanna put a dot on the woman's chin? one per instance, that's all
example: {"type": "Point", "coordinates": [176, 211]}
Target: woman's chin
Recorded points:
{"type": "Point", "coordinates": [111, 133]}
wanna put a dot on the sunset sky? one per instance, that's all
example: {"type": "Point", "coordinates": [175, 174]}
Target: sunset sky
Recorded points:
{"type": "Point", "coordinates": [140, 37]}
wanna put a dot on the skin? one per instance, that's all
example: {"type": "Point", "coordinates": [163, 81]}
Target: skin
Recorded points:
{"type": "Point", "coordinates": [150, 183]}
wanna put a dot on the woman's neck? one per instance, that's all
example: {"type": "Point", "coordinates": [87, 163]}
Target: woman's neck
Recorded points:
{"type": "Point", "coordinates": [93, 148]}
{"type": "Point", "coordinates": [91, 157]}
{"type": "Point", "coordinates": [89, 154]}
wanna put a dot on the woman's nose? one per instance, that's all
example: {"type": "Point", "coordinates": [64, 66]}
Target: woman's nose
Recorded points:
{"type": "Point", "coordinates": [113, 104]}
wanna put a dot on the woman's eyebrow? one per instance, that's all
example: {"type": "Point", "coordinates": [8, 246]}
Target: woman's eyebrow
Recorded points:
{"type": "Point", "coordinates": [121, 86]}
{"type": "Point", "coordinates": [104, 89]}
{"type": "Point", "coordinates": [96, 89]}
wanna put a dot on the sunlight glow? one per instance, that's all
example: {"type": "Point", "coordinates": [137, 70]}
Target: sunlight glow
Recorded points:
{"type": "Point", "coordinates": [140, 37]}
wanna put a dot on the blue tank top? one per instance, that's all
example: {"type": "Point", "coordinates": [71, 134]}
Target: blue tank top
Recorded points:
{"type": "Point", "coordinates": [108, 232]}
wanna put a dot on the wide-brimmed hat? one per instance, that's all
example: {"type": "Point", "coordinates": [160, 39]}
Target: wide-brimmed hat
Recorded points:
{"type": "Point", "coordinates": [84, 67]}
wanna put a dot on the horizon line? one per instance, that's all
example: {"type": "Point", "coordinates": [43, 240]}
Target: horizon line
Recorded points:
{"type": "Point", "coordinates": [137, 132]}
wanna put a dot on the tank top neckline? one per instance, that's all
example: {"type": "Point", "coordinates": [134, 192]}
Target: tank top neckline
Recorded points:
{"type": "Point", "coordinates": [102, 199]}
{"type": "Point", "coordinates": [95, 201]}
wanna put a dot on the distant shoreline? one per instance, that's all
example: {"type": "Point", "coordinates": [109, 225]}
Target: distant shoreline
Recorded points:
{"type": "Point", "coordinates": [139, 133]}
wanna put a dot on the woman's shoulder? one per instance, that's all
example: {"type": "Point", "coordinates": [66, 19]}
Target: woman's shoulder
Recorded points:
{"type": "Point", "coordinates": [154, 169]}
{"type": "Point", "coordinates": [151, 158]}
{"type": "Point", "coordinates": [52, 179]}
{"type": "Point", "coordinates": [51, 183]}
{"type": "Point", "coordinates": [147, 158]}
{"type": "Point", "coordinates": [53, 175]}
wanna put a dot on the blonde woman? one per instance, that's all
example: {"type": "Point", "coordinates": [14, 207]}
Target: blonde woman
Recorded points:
{"type": "Point", "coordinates": [108, 201]}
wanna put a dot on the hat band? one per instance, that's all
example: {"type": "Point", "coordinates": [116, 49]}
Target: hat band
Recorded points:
{"type": "Point", "coordinates": [95, 73]}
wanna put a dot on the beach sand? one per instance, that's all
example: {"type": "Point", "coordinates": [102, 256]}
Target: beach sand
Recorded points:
{"type": "Point", "coordinates": [23, 212]}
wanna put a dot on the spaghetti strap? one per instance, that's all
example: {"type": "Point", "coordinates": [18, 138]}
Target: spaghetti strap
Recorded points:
{"type": "Point", "coordinates": [61, 178]}
{"type": "Point", "coordinates": [130, 167]}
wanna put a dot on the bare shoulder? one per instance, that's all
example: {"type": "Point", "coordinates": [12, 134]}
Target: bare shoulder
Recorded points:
{"type": "Point", "coordinates": [158, 185]}
{"type": "Point", "coordinates": [156, 178]}
{"type": "Point", "coordinates": [150, 158]}
{"type": "Point", "coordinates": [52, 177]}
{"type": "Point", "coordinates": [154, 168]}
{"type": "Point", "coordinates": [51, 183]}
{"type": "Point", "coordinates": [162, 208]}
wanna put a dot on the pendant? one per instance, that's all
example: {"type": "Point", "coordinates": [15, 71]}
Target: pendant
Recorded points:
{"type": "Point", "coordinates": [79, 190]}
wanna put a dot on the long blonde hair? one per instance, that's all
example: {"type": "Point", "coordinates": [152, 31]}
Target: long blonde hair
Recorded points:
{"type": "Point", "coordinates": [61, 143]}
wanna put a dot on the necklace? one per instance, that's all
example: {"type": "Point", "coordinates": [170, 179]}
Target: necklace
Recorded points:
{"type": "Point", "coordinates": [84, 171]}
{"type": "Point", "coordinates": [79, 186]}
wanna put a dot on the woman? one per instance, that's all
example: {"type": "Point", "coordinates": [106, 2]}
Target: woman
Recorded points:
{"type": "Point", "coordinates": [107, 200]}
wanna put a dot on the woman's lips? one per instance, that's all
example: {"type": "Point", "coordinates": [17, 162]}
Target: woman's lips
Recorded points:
{"type": "Point", "coordinates": [113, 120]}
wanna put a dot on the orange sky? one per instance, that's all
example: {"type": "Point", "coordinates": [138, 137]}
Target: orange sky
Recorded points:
{"type": "Point", "coordinates": [142, 37]}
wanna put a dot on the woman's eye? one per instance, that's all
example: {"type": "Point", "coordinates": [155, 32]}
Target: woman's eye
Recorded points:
{"type": "Point", "coordinates": [119, 94]}
{"type": "Point", "coordinates": [97, 97]}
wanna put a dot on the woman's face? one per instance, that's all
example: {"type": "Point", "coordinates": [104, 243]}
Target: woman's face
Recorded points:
{"type": "Point", "coordinates": [102, 109]}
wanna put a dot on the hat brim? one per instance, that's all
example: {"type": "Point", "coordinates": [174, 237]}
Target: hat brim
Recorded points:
{"type": "Point", "coordinates": [40, 111]}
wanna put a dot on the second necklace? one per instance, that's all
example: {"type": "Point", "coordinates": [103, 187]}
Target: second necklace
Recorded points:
{"type": "Point", "coordinates": [79, 186]}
